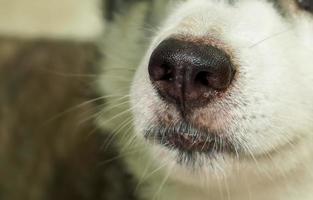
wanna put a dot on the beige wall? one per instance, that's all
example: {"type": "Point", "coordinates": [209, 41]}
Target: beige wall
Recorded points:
{"type": "Point", "coordinates": [79, 19]}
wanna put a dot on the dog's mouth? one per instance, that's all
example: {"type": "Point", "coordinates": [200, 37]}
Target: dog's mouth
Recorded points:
{"type": "Point", "coordinates": [187, 139]}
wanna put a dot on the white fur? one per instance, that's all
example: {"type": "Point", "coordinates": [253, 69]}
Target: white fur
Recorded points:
{"type": "Point", "coordinates": [273, 119]}
{"type": "Point", "coordinates": [72, 19]}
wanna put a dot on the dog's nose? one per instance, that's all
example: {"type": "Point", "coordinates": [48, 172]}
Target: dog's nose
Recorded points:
{"type": "Point", "coordinates": [189, 73]}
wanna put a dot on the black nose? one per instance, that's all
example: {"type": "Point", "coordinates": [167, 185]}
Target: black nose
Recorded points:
{"type": "Point", "coordinates": [189, 73]}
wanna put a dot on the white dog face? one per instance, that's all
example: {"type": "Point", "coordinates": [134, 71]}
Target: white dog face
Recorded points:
{"type": "Point", "coordinates": [227, 81]}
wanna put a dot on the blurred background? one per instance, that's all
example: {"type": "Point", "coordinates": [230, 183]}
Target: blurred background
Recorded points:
{"type": "Point", "coordinates": [50, 147]}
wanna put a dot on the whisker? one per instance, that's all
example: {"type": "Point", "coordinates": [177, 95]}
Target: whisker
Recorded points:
{"type": "Point", "coordinates": [74, 108]}
{"type": "Point", "coordinates": [163, 183]}
{"type": "Point", "coordinates": [116, 132]}
{"type": "Point", "coordinates": [103, 111]}
{"type": "Point", "coordinates": [120, 156]}
{"type": "Point", "coordinates": [64, 74]}
{"type": "Point", "coordinates": [144, 174]}
{"type": "Point", "coordinates": [130, 140]}
{"type": "Point", "coordinates": [159, 168]}
{"type": "Point", "coordinates": [270, 37]}
{"type": "Point", "coordinates": [127, 111]}
{"type": "Point", "coordinates": [257, 163]}
{"type": "Point", "coordinates": [120, 68]}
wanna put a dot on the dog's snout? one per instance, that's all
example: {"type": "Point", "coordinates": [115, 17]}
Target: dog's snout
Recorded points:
{"type": "Point", "coordinates": [189, 73]}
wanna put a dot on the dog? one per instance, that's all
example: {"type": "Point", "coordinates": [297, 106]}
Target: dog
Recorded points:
{"type": "Point", "coordinates": [206, 99]}
{"type": "Point", "coordinates": [212, 99]}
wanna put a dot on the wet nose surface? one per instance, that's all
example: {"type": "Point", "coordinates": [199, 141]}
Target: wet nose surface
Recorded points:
{"type": "Point", "coordinates": [189, 73]}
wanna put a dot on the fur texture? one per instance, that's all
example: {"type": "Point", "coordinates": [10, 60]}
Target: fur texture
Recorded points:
{"type": "Point", "coordinates": [268, 113]}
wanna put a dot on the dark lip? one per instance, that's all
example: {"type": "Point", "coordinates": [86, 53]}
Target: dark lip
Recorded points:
{"type": "Point", "coordinates": [187, 139]}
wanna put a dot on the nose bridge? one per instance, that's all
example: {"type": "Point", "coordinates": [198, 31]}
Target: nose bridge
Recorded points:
{"type": "Point", "coordinates": [203, 19]}
{"type": "Point", "coordinates": [186, 64]}
{"type": "Point", "coordinates": [180, 84]}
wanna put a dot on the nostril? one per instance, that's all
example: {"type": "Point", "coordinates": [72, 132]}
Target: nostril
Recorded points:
{"type": "Point", "coordinates": [214, 80]}
{"type": "Point", "coordinates": [168, 72]}
{"type": "Point", "coordinates": [203, 78]}
{"type": "Point", "coordinates": [161, 71]}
